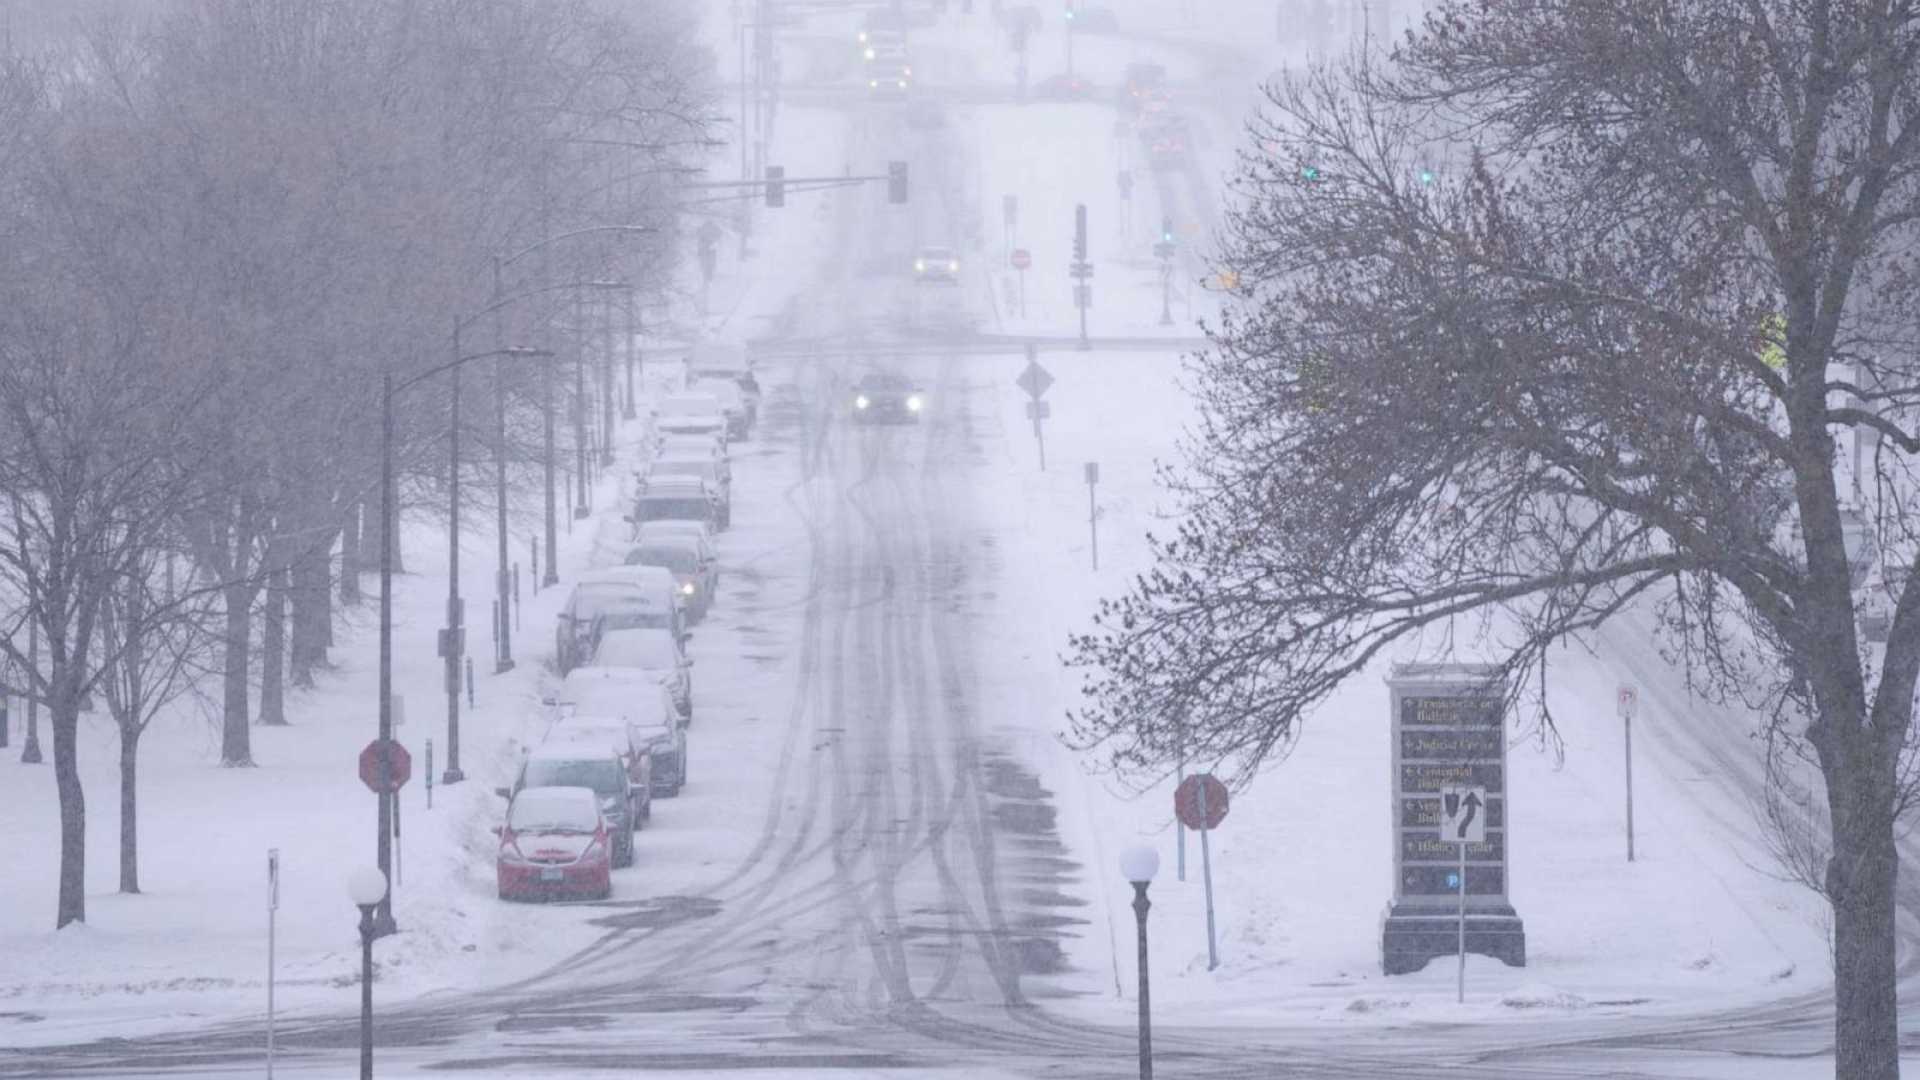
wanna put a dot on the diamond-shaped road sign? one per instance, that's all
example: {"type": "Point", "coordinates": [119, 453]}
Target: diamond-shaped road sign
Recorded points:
{"type": "Point", "coordinates": [1034, 380]}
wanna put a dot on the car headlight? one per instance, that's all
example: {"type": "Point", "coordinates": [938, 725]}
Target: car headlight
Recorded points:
{"type": "Point", "coordinates": [903, 84]}
{"type": "Point", "coordinates": [953, 266]}
{"type": "Point", "coordinates": [913, 403]}
{"type": "Point", "coordinates": [861, 402]}
{"type": "Point", "coordinates": [869, 53]}
{"type": "Point", "coordinates": [862, 36]}
{"type": "Point", "coordinates": [686, 589]}
{"type": "Point", "coordinates": [873, 84]}
{"type": "Point", "coordinates": [920, 266]}
{"type": "Point", "coordinates": [906, 71]}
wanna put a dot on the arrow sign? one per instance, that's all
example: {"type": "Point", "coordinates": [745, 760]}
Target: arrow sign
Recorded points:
{"type": "Point", "coordinates": [1461, 818]}
{"type": "Point", "coordinates": [1034, 379]}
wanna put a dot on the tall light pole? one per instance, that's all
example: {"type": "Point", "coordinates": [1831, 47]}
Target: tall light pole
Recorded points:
{"type": "Point", "coordinates": [1138, 864]}
{"type": "Point", "coordinates": [383, 921]}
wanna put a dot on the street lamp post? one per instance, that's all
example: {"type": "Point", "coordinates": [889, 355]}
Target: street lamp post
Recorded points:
{"type": "Point", "coordinates": [1138, 864]}
{"type": "Point", "coordinates": [580, 420]}
{"type": "Point", "coordinates": [383, 923]}
{"type": "Point", "coordinates": [368, 888]}
{"type": "Point", "coordinates": [632, 349]}
{"type": "Point", "coordinates": [453, 645]}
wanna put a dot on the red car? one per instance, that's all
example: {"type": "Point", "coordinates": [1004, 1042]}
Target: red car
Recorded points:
{"type": "Point", "coordinates": [555, 844]}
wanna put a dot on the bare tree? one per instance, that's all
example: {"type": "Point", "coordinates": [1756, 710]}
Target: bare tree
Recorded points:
{"type": "Point", "coordinates": [158, 642]}
{"type": "Point", "coordinates": [1572, 308]}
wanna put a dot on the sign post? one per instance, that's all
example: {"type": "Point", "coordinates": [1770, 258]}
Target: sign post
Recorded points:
{"type": "Point", "coordinates": [1093, 511]}
{"type": "Point", "coordinates": [1035, 379]}
{"type": "Point", "coordinates": [1627, 698]}
{"type": "Point", "coordinates": [1450, 892]}
{"type": "Point", "coordinates": [1200, 802]}
{"type": "Point", "coordinates": [273, 907]}
{"type": "Point", "coordinates": [1463, 822]}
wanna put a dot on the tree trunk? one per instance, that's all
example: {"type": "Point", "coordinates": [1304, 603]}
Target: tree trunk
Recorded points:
{"type": "Point", "coordinates": [64, 714]}
{"type": "Point", "coordinates": [236, 746]}
{"type": "Point", "coordinates": [323, 603]}
{"type": "Point", "coordinates": [350, 557]}
{"type": "Point", "coordinates": [273, 648]}
{"type": "Point", "coordinates": [1861, 877]}
{"type": "Point", "coordinates": [129, 833]}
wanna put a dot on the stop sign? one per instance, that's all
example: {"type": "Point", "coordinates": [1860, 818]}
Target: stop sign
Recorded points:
{"type": "Point", "coordinates": [1021, 259]}
{"type": "Point", "coordinates": [385, 766]}
{"type": "Point", "coordinates": [1186, 802]}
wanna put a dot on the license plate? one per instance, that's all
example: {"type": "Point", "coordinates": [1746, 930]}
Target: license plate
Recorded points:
{"type": "Point", "coordinates": [552, 873]}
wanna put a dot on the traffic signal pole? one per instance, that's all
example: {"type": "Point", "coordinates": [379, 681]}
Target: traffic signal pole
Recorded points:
{"type": "Point", "coordinates": [1081, 271]}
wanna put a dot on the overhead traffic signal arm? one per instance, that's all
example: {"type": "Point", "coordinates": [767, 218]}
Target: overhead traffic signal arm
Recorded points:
{"type": "Point", "coordinates": [777, 185]}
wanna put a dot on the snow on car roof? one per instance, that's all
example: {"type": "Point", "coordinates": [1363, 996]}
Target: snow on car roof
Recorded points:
{"type": "Point", "coordinates": [642, 576]}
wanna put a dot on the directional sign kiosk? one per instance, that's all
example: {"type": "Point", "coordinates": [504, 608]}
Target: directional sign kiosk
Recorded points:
{"type": "Point", "coordinates": [1449, 890]}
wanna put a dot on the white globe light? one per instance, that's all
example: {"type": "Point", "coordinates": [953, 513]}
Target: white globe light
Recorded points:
{"type": "Point", "coordinates": [366, 885]}
{"type": "Point", "coordinates": [1139, 863]}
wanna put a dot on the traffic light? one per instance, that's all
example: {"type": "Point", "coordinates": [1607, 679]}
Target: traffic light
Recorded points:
{"type": "Point", "coordinates": [776, 185]}
{"type": "Point", "coordinates": [1080, 233]}
{"type": "Point", "coordinates": [896, 181]}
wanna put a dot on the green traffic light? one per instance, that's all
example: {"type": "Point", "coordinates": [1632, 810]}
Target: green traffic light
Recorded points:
{"type": "Point", "coordinates": [1426, 176]}
{"type": "Point", "coordinates": [1309, 172]}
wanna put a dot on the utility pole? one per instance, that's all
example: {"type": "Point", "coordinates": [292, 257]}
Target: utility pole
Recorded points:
{"type": "Point", "coordinates": [1163, 250]}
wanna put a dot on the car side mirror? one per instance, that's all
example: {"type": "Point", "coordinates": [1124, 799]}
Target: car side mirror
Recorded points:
{"type": "Point", "coordinates": [505, 793]}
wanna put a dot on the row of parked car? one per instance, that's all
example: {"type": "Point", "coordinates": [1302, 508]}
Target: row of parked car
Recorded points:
{"type": "Point", "coordinates": [617, 722]}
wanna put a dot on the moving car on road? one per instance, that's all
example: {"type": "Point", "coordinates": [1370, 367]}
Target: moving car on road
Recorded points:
{"type": "Point", "coordinates": [612, 599]}
{"type": "Point", "coordinates": [555, 843]}
{"type": "Point", "coordinates": [655, 652]}
{"type": "Point", "coordinates": [936, 265]}
{"type": "Point", "coordinates": [590, 763]}
{"type": "Point", "coordinates": [638, 699]}
{"type": "Point", "coordinates": [882, 397]}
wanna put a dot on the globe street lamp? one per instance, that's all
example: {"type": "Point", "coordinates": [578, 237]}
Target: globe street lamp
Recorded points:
{"type": "Point", "coordinates": [1138, 864]}
{"type": "Point", "coordinates": [367, 886]}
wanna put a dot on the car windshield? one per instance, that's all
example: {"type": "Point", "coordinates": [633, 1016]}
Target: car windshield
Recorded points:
{"type": "Point", "coordinates": [654, 651]}
{"type": "Point", "coordinates": [553, 809]}
{"type": "Point", "coordinates": [677, 559]}
{"type": "Point", "coordinates": [889, 384]}
{"type": "Point", "coordinates": [692, 509]}
{"type": "Point", "coordinates": [603, 775]}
